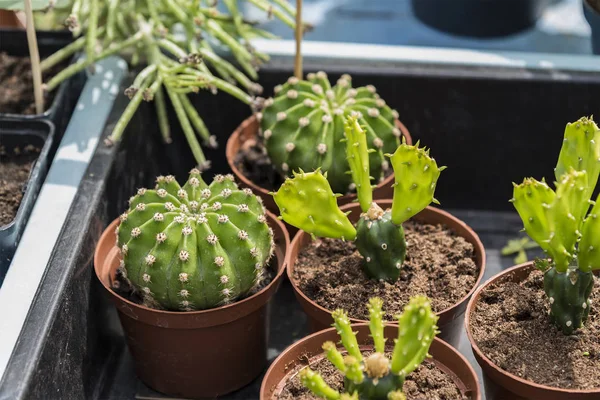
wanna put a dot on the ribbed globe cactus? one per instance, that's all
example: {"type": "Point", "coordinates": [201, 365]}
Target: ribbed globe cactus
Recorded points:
{"type": "Point", "coordinates": [303, 125]}
{"type": "Point", "coordinates": [194, 247]}
{"type": "Point", "coordinates": [377, 377]}
{"type": "Point", "coordinates": [560, 223]}
{"type": "Point", "coordinates": [308, 202]}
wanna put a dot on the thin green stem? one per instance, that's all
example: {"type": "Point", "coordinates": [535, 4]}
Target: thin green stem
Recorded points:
{"type": "Point", "coordinates": [91, 34]}
{"type": "Point", "coordinates": [131, 108]}
{"type": "Point", "coordinates": [161, 114]}
{"type": "Point", "coordinates": [143, 75]}
{"type": "Point", "coordinates": [111, 20]}
{"type": "Point", "coordinates": [195, 118]}
{"type": "Point", "coordinates": [264, 5]}
{"type": "Point", "coordinates": [188, 131]}
{"type": "Point", "coordinates": [172, 48]}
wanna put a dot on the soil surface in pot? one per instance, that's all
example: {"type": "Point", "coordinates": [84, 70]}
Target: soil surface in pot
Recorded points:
{"type": "Point", "coordinates": [510, 325]}
{"type": "Point", "coordinates": [595, 4]}
{"type": "Point", "coordinates": [15, 167]}
{"type": "Point", "coordinates": [426, 383]}
{"type": "Point", "coordinates": [439, 264]}
{"type": "Point", "coordinates": [123, 287]}
{"type": "Point", "coordinates": [16, 96]}
{"type": "Point", "coordinates": [254, 163]}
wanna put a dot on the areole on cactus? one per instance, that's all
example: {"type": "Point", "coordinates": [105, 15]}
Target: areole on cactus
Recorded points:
{"type": "Point", "coordinates": [194, 247]}
{"type": "Point", "coordinates": [562, 224]}
{"type": "Point", "coordinates": [308, 202]}
{"type": "Point", "coordinates": [303, 124]}
{"type": "Point", "coordinates": [377, 377]}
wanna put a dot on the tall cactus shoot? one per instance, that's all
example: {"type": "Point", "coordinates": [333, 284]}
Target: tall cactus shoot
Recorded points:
{"type": "Point", "coordinates": [561, 222]}
{"type": "Point", "coordinates": [377, 377]}
{"type": "Point", "coordinates": [194, 247]}
{"type": "Point", "coordinates": [303, 124]}
{"type": "Point", "coordinates": [308, 202]}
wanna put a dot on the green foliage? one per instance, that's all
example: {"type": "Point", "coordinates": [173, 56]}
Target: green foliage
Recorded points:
{"type": "Point", "coordinates": [194, 247]}
{"type": "Point", "coordinates": [377, 377]}
{"type": "Point", "coordinates": [35, 4]}
{"type": "Point", "coordinates": [143, 30]}
{"type": "Point", "coordinates": [519, 247]}
{"type": "Point", "coordinates": [303, 127]}
{"type": "Point", "coordinates": [558, 221]}
{"type": "Point", "coordinates": [308, 203]}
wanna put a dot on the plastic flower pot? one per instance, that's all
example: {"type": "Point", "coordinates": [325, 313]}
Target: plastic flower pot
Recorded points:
{"type": "Point", "coordinates": [591, 10]}
{"type": "Point", "coordinates": [500, 384]}
{"type": "Point", "coordinates": [15, 136]}
{"type": "Point", "coordinates": [248, 130]}
{"type": "Point", "coordinates": [309, 351]}
{"type": "Point", "coordinates": [194, 354]}
{"type": "Point", "coordinates": [479, 18]}
{"type": "Point", "coordinates": [450, 322]}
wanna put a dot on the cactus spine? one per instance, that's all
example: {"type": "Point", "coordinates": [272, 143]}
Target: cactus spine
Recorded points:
{"type": "Point", "coordinates": [194, 247]}
{"type": "Point", "coordinates": [308, 203]}
{"type": "Point", "coordinates": [377, 377]}
{"type": "Point", "coordinates": [303, 125]}
{"type": "Point", "coordinates": [559, 222]}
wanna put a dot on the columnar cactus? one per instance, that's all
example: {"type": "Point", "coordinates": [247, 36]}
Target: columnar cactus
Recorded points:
{"type": "Point", "coordinates": [377, 377]}
{"type": "Point", "coordinates": [560, 223]}
{"type": "Point", "coordinates": [308, 202]}
{"type": "Point", "coordinates": [303, 125]}
{"type": "Point", "coordinates": [194, 247]}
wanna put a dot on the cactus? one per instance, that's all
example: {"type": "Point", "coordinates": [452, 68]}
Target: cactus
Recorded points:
{"type": "Point", "coordinates": [194, 247]}
{"type": "Point", "coordinates": [377, 377]}
{"type": "Point", "coordinates": [303, 125]}
{"type": "Point", "coordinates": [179, 63]}
{"type": "Point", "coordinates": [308, 203]}
{"type": "Point", "coordinates": [559, 222]}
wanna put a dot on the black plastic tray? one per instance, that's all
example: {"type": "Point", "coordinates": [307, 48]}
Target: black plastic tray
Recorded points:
{"type": "Point", "coordinates": [14, 42]}
{"type": "Point", "coordinates": [15, 133]}
{"type": "Point", "coordinates": [491, 126]}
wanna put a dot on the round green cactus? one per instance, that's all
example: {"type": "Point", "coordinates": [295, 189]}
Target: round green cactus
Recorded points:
{"type": "Point", "coordinates": [303, 125]}
{"type": "Point", "coordinates": [194, 247]}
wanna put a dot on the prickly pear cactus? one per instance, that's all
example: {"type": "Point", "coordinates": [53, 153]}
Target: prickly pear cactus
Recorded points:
{"type": "Point", "coordinates": [194, 247]}
{"type": "Point", "coordinates": [559, 222]}
{"type": "Point", "coordinates": [308, 203]}
{"type": "Point", "coordinates": [377, 377]}
{"type": "Point", "coordinates": [303, 125]}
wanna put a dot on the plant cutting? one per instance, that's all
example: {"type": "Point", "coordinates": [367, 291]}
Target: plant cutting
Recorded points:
{"type": "Point", "coordinates": [308, 202]}
{"type": "Point", "coordinates": [191, 264]}
{"type": "Point", "coordinates": [365, 368]}
{"type": "Point", "coordinates": [176, 63]}
{"type": "Point", "coordinates": [301, 126]}
{"type": "Point", "coordinates": [564, 223]}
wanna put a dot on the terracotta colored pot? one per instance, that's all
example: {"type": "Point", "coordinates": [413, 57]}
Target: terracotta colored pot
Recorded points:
{"type": "Point", "coordinates": [198, 353]}
{"type": "Point", "coordinates": [294, 358]}
{"type": "Point", "coordinates": [248, 130]}
{"type": "Point", "coordinates": [9, 19]}
{"type": "Point", "coordinates": [450, 321]}
{"type": "Point", "coordinates": [500, 384]}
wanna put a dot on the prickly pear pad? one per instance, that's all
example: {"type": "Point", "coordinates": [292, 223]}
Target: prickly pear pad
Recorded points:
{"type": "Point", "coordinates": [303, 126]}
{"type": "Point", "coordinates": [194, 247]}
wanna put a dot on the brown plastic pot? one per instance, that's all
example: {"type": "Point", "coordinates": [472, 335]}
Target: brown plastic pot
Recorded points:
{"type": "Point", "coordinates": [248, 130]}
{"type": "Point", "coordinates": [295, 357]}
{"type": "Point", "coordinates": [450, 322]}
{"type": "Point", "coordinates": [198, 353]}
{"type": "Point", "coordinates": [500, 384]}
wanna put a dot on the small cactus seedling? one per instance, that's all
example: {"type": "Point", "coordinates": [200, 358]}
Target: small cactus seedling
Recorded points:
{"type": "Point", "coordinates": [308, 202]}
{"type": "Point", "coordinates": [560, 223]}
{"type": "Point", "coordinates": [376, 377]}
{"type": "Point", "coordinates": [194, 247]}
{"type": "Point", "coordinates": [303, 125]}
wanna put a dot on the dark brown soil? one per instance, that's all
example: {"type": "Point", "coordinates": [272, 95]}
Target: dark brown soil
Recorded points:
{"type": "Point", "coordinates": [16, 96]}
{"type": "Point", "coordinates": [439, 264]}
{"type": "Point", "coordinates": [15, 166]}
{"type": "Point", "coordinates": [254, 163]}
{"type": "Point", "coordinates": [123, 287]}
{"type": "Point", "coordinates": [426, 383]}
{"type": "Point", "coordinates": [510, 325]}
{"type": "Point", "coordinates": [595, 4]}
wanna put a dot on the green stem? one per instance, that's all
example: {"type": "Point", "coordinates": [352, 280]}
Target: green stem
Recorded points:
{"type": "Point", "coordinates": [82, 64]}
{"type": "Point", "coordinates": [194, 118]}
{"type": "Point", "coordinates": [334, 356]}
{"type": "Point", "coordinates": [376, 323]}
{"type": "Point", "coordinates": [240, 53]}
{"type": "Point", "coordinates": [344, 329]}
{"type": "Point", "coordinates": [286, 6]}
{"type": "Point", "coordinates": [227, 67]}
{"type": "Point", "coordinates": [186, 127]}
{"type": "Point", "coordinates": [143, 75]}
{"type": "Point", "coordinates": [91, 34]}
{"type": "Point", "coordinates": [161, 114]}
{"type": "Point", "coordinates": [111, 20]}
{"type": "Point", "coordinates": [131, 108]}
{"type": "Point", "coordinates": [172, 48]}
{"type": "Point", "coordinates": [264, 5]}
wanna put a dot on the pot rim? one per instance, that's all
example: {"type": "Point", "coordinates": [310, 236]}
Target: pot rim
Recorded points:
{"type": "Point", "coordinates": [229, 152]}
{"type": "Point", "coordinates": [312, 336]}
{"type": "Point", "coordinates": [482, 358]}
{"type": "Point", "coordinates": [110, 230]}
{"type": "Point", "coordinates": [478, 248]}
